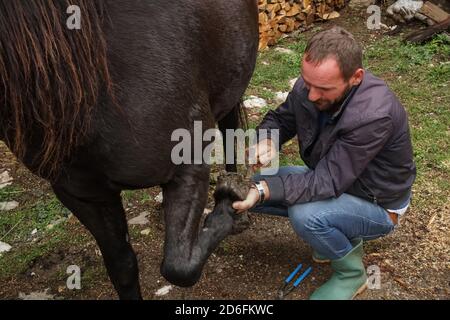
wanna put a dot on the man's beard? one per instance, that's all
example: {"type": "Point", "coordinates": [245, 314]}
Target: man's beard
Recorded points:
{"type": "Point", "coordinates": [332, 106]}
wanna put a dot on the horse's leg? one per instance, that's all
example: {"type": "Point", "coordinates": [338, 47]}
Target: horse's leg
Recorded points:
{"type": "Point", "coordinates": [101, 211]}
{"type": "Point", "coordinates": [231, 121]}
{"type": "Point", "coordinates": [186, 248]}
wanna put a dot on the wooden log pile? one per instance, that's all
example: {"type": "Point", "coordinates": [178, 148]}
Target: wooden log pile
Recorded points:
{"type": "Point", "coordinates": [278, 17]}
{"type": "Point", "coordinates": [440, 22]}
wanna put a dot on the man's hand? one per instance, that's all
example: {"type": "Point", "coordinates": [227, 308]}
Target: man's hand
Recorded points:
{"type": "Point", "coordinates": [262, 153]}
{"type": "Point", "coordinates": [252, 199]}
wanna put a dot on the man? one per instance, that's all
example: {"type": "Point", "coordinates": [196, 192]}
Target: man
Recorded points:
{"type": "Point", "coordinates": [355, 142]}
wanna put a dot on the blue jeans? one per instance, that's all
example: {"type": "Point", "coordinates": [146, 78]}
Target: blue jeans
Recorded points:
{"type": "Point", "coordinates": [329, 225]}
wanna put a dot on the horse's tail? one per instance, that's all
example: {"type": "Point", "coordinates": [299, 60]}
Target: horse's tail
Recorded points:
{"type": "Point", "coordinates": [50, 77]}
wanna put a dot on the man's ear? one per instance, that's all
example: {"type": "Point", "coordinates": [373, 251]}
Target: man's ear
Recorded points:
{"type": "Point", "coordinates": [357, 77]}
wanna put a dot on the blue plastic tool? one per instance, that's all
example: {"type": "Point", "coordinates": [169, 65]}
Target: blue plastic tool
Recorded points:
{"type": "Point", "coordinates": [287, 287]}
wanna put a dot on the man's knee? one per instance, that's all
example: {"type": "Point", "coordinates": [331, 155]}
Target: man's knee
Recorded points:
{"type": "Point", "coordinates": [308, 218]}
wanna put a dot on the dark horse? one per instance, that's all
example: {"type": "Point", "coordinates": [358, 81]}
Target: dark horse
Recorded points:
{"type": "Point", "coordinates": [93, 110]}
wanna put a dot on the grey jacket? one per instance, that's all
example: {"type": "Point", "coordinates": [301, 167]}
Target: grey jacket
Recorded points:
{"type": "Point", "coordinates": [365, 150]}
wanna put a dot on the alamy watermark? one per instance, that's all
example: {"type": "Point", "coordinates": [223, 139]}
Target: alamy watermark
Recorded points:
{"type": "Point", "coordinates": [374, 20]}
{"type": "Point", "coordinates": [191, 149]}
{"type": "Point", "coordinates": [373, 277]}
{"type": "Point", "coordinates": [74, 20]}
{"type": "Point", "coordinates": [74, 280]}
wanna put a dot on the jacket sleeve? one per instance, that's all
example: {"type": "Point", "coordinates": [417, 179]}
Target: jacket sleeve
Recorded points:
{"type": "Point", "coordinates": [338, 170]}
{"type": "Point", "coordinates": [282, 119]}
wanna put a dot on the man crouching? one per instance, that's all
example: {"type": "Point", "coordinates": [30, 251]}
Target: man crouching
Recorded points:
{"type": "Point", "coordinates": [354, 139]}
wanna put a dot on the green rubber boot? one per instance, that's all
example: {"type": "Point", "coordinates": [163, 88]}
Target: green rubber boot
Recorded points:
{"type": "Point", "coordinates": [318, 258]}
{"type": "Point", "coordinates": [349, 277]}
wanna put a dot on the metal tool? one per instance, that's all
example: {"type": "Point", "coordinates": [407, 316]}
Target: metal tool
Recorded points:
{"type": "Point", "coordinates": [288, 287]}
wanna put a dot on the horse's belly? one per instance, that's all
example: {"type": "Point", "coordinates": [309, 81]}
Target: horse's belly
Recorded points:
{"type": "Point", "coordinates": [140, 169]}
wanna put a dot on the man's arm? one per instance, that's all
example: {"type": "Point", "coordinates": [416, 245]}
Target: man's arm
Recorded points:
{"type": "Point", "coordinates": [338, 170]}
{"type": "Point", "coordinates": [283, 118]}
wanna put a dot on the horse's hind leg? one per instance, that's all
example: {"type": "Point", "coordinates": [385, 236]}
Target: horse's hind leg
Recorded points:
{"type": "Point", "coordinates": [186, 248]}
{"type": "Point", "coordinates": [101, 211]}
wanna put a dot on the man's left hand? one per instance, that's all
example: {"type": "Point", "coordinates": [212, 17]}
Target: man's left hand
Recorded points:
{"type": "Point", "coordinates": [252, 199]}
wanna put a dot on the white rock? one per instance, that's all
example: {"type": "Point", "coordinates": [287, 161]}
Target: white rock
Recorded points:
{"type": "Point", "coordinates": [146, 232]}
{"type": "Point", "coordinates": [140, 219]}
{"type": "Point", "coordinates": [281, 97]}
{"type": "Point", "coordinates": [292, 82]}
{"type": "Point", "coordinates": [159, 198]}
{"type": "Point", "coordinates": [404, 9]}
{"type": "Point", "coordinates": [5, 179]}
{"type": "Point", "coordinates": [255, 102]}
{"type": "Point", "coordinates": [284, 50]}
{"type": "Point", "coordinates": [7, 206]}
{"type": "Point", "coordinates": [34, 232]}
{"type": "Point", "coordinates": [164, 290]}
{"type": "Point", "coordinates": [4, 247]}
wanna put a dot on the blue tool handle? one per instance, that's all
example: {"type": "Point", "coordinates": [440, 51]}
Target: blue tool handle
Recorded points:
{"type": "Point", "coordinates": [303, 276]}
{"type": "Point", "coordinates": [292, 275]}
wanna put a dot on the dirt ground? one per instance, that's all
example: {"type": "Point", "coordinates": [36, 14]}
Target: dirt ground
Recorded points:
{"type": "Point", "coordinates": [414, 260]}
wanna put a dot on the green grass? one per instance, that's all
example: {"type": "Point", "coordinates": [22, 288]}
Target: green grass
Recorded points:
{"type": "Point", "coordinates": [28, 217]}
{"type": "Point", "coordinates": [17, 225]}
{"type": "Point", "coordinates": [274, 70]}
{"type": "Point", "coordinates": [136, 196]}
{"type": "Point", "coordinates": [19, 259]}
{"type": "Point", "coordinates": [10, 193]}
{"type": "Point", "coordinates": [391, 55]}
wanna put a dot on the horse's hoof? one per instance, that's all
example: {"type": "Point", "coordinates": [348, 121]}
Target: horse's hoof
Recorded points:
{"type": "Point", "coordinates": [234, 187]}
{"type": "Point", "coordinates": [231, 185]}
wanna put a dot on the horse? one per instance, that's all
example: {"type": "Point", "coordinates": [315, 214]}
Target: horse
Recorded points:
{"type": "Point", "coordinates": [92, 109]}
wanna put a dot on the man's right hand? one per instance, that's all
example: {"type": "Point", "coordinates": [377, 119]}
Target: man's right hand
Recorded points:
{"type": "Point", "coordinates": [261, 154]}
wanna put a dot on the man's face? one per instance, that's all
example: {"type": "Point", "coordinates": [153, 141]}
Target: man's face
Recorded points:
{"type": "Point", "coordinates": [325, 83]}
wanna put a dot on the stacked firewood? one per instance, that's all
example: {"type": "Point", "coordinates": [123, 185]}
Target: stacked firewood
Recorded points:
{"type": "Point", "coordinates": [278, 17]}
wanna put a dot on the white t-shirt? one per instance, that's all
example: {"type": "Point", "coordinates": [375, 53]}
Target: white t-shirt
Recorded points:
{"type": "Point", "coordinates": [400, 211]}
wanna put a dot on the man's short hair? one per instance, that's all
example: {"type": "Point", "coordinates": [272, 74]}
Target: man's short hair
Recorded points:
{"type": "Point", "coordinates": [338, 43]}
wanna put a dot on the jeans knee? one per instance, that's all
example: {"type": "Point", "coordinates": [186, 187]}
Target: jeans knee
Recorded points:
{"type": "Point", "coordinates": [307, 221]}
